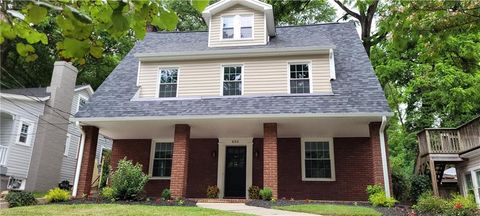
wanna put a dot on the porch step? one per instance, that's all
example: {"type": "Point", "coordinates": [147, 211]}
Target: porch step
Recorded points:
{"type": "Point", "coordinates": [206, 200]}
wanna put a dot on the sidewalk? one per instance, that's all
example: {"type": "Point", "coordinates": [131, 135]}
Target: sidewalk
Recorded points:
{"type": "Point", "coordinates": [242, 208]}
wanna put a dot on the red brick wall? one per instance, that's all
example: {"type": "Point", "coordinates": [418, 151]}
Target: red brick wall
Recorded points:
{"type": "Point", "coordinates": [139, 152]}
{"type": "Point", "coordinates": [377, 175]}
{"type": "Point", "coordinates": [202, 167]}
{"type": "Point", "coordinates": [257, 169]}
{"type": "Point", "coordinates": [88, 160]}
{"type": "Point", "coordinates": [270, 153]}
{"type": "Point", "coordinates": [178, 180]}
{"type": "Point", "coordinates": [353, 170]}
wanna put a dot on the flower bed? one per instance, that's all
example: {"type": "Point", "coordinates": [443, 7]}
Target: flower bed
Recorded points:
{"type": "Point", "coordinates": [148, 201]}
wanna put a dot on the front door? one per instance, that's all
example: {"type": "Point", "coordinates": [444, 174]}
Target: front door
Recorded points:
{"type": "Point", "coordinates": [235, 171]}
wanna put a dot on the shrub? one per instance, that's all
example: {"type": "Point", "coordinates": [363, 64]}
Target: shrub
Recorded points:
{"type": "Point", "coordinates": [20, 198]}
{"type": "Point", "coordinates": [57, 195]}
{"type": "Point", "coordinates": [266, 193]}
{"type": "Point", "coordinates": [400, 186]}
{"type": "Point", "coordinates": [460, 205]}
{"type": "Point", "coordinates": [212, 191]}
{"type": "Point", "coordinates": [419, 185]}
{"type": "Point", "coordinates": [166, 194]}
{"type": "Point", "coordinates": [107, 193]}
{"type": "Point", "coordinates": [427, 203]}
{"type": "Point", "coordinates": [380, 199]}
{"type": "Point", "coordinates": [128, 180]}
{"type": "Point", "coordinates": [254, 192]}
{"type": "Point", "coordinates": [374, 189]}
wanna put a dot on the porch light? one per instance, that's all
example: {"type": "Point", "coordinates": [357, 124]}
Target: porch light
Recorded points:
{"type": "Point", "coordinates": [256, 153]}
{"type": "Point", "coordinates": [214, 154]}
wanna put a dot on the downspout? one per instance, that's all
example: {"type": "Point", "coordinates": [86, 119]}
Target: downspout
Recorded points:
{"type": "Point", "coordinates": [383, 149]}
{"type": "Point", "coordinates": [79, 160]}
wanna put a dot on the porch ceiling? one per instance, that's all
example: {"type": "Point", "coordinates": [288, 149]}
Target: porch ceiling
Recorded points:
{"type": "Point", "coordinates": [237, 127]}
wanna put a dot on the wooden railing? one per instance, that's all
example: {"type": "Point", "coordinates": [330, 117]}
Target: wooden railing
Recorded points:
{"type": "Point", "coordinates": [3, 155]}
{"type": "Point", "coordinates": [450, 140]}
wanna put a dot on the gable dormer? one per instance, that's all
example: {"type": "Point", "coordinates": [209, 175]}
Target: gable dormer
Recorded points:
{"type": "Point", "coordinates": [239, 23]}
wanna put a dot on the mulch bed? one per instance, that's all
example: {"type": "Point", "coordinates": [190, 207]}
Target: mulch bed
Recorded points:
{"type": "Point", "coordinates": [148, 201]}
{"type": "Point", "coordinates": [399, 210]}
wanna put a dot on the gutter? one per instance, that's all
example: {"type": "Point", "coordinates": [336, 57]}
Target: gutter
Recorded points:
{"type": "Point", "coordinates": [383, 149]}
{"type": "Point", "coordinates": [79, 160]}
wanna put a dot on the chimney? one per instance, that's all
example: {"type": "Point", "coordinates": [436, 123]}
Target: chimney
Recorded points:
{"type": "Point", "coordinates": [47, 155]}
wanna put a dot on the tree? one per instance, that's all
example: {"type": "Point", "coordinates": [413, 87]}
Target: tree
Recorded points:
{"type": "Point", "coordinates": [367, 9]}
{"type": "Point", "coordinates": [302, 12]}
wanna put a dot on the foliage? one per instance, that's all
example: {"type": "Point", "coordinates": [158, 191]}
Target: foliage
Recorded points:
{"type": "Point", "coordinates": [128, 180]}
{"type": "Point", "coordinates": [57, 195]}
{"type": "Point", "coordinates": [180, 201]}
{"type": "Point", "coordinates": [377, 196]}
{"type": "Point", "coordinates": [427, 203]}
{"type": "Point", "coordinates": [302, 12]}
{"type": "Point", "coordinates": [266, 193]}
{"type": "Point", "coordinates": [460, 205]}
{"type": "Point", "coordinates": [20, 198]}
{"type": "Point", "coordinates": [419, 185]}
{"type": "Point", "coordinates": [374, 189]}
{"type": "Point", "coordinates": [106, 157]}
{"type": "Point", "coordinates": [327, 209]}
{"type": "Point", "coordinates": [166, 194]}
{"type": "Point", "coordinates": [457, 205]}
{"type": "Point", "coordinates": [400, 185]}
{"type": "Point", "coordinates": [212, 191]}
{"type": "Point", "coordinates": [107, 193]}
{"type": "Point", "coordinates": [254, 192]}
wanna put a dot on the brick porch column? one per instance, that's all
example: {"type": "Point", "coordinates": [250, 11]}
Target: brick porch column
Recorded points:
{"type": "Point", "coordinates": [178, 180]}
{"type": "Point", "coordinates": [270, 157]}
{"type": "Point", "coordinates": [88, 160]}
{"type": "Point", "coordinates": [377, 165]}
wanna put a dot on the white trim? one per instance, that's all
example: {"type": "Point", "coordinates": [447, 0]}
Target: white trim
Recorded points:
{"type": "Point", "coordinates": [241, 116]}
{"type": "Point", "coordinates": [23, 97]}
{"type": "Point", "coordinates": [67, 145]}
{"type": "Point", "coordinates": [138, 73]}
{"type": "Point", "coordinates": [87, 87]}
{"type": "Point", "coordinates": [470, 171]}
{"type": "Point", "coordinates": [255, 95]}
{"type": "Point", "coordinates": [310, 69]}
{"type": "Point", "coordinates": [159, 76]}
{"type": "Point", "coordinates": [383, 149]}
{"type": "Point", "coordinates": [152, 156]}
{"type": "Point", "coordinates": [79, 161]}
{"type": "Point", "coordinates": [80, 97]}
{"type": "Point", "coordinates": [332, 158]}
{"type": "Point", "coordinates": [30, 124]}
{"type": "Point", "coordinates": [222, 145]}
{"type": "Point", "coordinates": [222, 73]}
{"type": "Point", "coordinates": [209, 31]}
{"type": "Point", "coordinates": [331, 61]}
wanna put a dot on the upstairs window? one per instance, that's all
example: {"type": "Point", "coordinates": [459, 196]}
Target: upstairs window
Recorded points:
{"type": "Point", "coordinates": [24, 133]}
{"type": "Point", "coordinates": [168, 82]}
{"type": "Point", "coordinates": [299, 78]}
{"type": "Point", "coordinates": [237, 27]}
{"type": "Point", "coordinates": [232, 80]}
{"type": "Point", "coordinates": [82, 101]}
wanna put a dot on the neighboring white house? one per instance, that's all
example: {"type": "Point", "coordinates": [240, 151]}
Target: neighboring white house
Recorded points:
{"type": "Point", "coordinates": [38, 142]}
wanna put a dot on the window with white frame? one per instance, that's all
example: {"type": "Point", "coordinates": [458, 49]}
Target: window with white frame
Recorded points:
{"type": "Point", "coordinates": [81, 102]}
{"type": "Point", "coordinates": [317, 160]}
{"type": "Point", "coordinates": [469, 184]}
{"type": "Point", "coordinates": [24, 133]}
{"type": "Point", "coordinates": [162, 159]}
{"type": "Point", "coordinates": [232, 80]}
{"type": "Point", "coordinates": [67, 146]}
{"type": "Point", "coordinates": [299, 74]}
{"type": "Point", "coordinates": [168, 82]}
{"type": "Point", "coordinates": [237, 27]}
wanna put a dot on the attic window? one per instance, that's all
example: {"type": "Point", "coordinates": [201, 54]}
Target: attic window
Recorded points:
{"type": "Point", "coordinates": [237, 27]}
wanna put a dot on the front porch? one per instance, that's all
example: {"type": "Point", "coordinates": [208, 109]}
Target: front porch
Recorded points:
{"type": "Point", "coordinates": [329, 158]}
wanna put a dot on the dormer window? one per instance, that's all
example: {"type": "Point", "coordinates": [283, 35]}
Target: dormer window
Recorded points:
{"type": "Point", "coordinates": [237, 27]}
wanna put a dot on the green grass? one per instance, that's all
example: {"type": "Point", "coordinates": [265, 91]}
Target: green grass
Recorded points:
{"type": "Point", "coordinates": [110, 209]}
{"type": "Point", "coordinates": [39, 194]}
{"type": "Point", "coordinates": [327, 209]}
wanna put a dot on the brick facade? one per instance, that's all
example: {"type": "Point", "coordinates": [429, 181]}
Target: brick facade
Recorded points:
{"type": "Point", "coordinates": [88, 160]}
{"type": "Point", "coordinates": [257, 169]}
{"type": "Point", "coordinates": [202, 167]}
{"type": "Point", "coordinates": [178, 180]}
{"type": "Point", "coordinates": [270, 154]}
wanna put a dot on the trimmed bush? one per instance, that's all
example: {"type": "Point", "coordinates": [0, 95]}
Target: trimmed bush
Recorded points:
{"type": "Point", "coordinates": [266, 193]}
{"type": "Point", "coordinates": [57, 195]}
{"type": "Point", "coordinates": [254, 192]}
{"type": "Point", "coordinates": [166, 194]}
{"type": "Point", "coordinates": [107, 193]}
{"type": "Point", "coordinates": [212, 191]}
{"type": "Point", "coordinates": [380, 199]}
{"type": "Point", "coordinates": [374, 189]}
{"type": "Point", "coordinates": [128, 180]}
{"type": "Point", "coordinates": [20, 198]}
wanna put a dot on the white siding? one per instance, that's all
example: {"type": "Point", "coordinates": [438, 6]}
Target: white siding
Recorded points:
{"type": "Point", "coordinates": [18, 158]}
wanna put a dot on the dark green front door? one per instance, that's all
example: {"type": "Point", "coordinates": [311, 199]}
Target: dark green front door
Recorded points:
{"type": "Point", "coordinates": [235, 171]}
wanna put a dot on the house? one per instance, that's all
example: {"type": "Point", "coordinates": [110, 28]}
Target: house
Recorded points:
{"type": "Point", "coordinates": [38, 143]}
{"type": "Point", "coordinates": [458, 147]}
{"type": "Point", "coordinates": [297, 109]}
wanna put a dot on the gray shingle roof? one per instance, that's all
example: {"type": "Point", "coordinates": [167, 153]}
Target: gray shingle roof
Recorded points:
{"type": "Point", "coordinates": [356, 88]}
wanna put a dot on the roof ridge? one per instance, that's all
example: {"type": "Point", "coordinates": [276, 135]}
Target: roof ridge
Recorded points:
{"type": "Point", "coordinates": [315, 24]}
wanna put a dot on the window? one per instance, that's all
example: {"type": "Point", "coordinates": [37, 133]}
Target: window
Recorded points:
{"type": "Point", "coordinates": [81, 102]}
{"type": "Point", "coordinates": [67, 146]}
{"type": "Point", "coordinates": [237, 27]}
{"type": "Point", "coordinates": [469, 184]}
{"type": "Point", "coordinates": [317, 160]}
{"type": "Point", "coordinates": [168, 82]}
{"type": "Point", "coordinates": [161, 159]}
{"type": "Point", "coordinates": [232, 80]}
{"type": "Point", "coordinates": [24, 133]}
{"type": "Point", "coordinates": [299, 78]}
{"type": "Point", "coordinates": [228, 26]}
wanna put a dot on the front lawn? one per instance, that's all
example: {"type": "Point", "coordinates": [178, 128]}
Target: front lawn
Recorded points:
{"type": "Point", "coordinates": [328, 209]}
{"type": "Point", "coordinates": [110, 209]}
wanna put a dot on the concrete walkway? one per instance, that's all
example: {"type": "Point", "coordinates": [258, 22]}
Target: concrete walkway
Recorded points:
{"type": "Point", "coordinates": [242, 208]}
